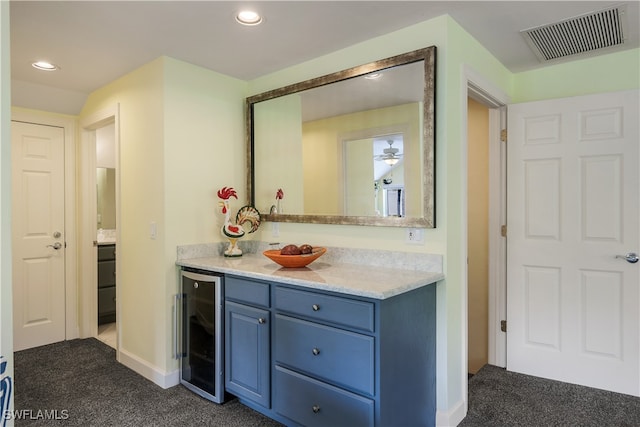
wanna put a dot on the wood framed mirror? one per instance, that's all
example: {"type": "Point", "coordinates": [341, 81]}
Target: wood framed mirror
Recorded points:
{"type": "Point", "coordinates": [352, 147]}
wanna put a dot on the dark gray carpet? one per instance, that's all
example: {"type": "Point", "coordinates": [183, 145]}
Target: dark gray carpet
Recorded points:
{"type": "Point", "coordinates": [501, 398]}
{"type": "Point", "coordinates": [83, 378]}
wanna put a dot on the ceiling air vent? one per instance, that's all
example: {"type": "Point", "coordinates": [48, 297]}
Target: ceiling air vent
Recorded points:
{"type": "Point", "coordinates": [581, 34]}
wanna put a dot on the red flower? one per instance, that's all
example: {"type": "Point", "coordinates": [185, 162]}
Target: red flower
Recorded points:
{"type": "Point", "coordinates": [279, 194]}
{"type": "Point", "coordinates": [226, 193]}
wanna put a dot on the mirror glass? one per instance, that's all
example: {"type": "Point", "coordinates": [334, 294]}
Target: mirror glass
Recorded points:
{"type": "Point", "coordinates": [106, 191]}
{"type": "Point", "coordinates": [353, 147]}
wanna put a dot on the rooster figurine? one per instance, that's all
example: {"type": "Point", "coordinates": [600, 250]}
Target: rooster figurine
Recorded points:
{"type": "Point", "coordinates": [246, 215]}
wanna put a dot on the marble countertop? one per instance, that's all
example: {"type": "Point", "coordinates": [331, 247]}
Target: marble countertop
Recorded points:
{"type": "Point", "coordinates": [347, 278]}
{"type": "Point", "coordinates": [106, 237]}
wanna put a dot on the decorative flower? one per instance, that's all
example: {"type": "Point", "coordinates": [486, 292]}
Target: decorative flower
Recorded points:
{"type": "Point", "coordinates": [279, 194]}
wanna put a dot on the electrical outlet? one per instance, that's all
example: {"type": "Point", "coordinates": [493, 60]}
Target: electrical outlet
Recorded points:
{"type": "Point", "coordinates": [275, 229]}
{"type": "Point", "coordinates": [415, 235]}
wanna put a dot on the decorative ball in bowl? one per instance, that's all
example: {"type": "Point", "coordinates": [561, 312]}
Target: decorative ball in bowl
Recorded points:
{"type": "Point", "coordinates": [295, 260]}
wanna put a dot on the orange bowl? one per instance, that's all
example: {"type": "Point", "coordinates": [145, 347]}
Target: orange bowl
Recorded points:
{"type": "Point", "coordinates": [294, 261]}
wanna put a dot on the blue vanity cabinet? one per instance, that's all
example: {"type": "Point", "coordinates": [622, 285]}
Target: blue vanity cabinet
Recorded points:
{"type": "Point", "coordinates": [351, 361]}
{"type": "Point", "coordinates": [247, 340]}
{"type": "Point", "coordinates": [309, 357]}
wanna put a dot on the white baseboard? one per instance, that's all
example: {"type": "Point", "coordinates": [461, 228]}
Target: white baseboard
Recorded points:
{"type": "Point", "coordinates": [153, 374]}
{"type": "Point", "coordinates": [453, 417]}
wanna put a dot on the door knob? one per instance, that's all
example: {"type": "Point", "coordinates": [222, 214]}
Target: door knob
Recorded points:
{"type": "Point", "coordinates": [631, 257]}
{"type": "Point", "coordinates": [56, 246]}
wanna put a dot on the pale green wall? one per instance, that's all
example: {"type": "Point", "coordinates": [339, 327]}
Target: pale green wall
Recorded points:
{"type": "Point", "coordinates": [181, 139]}
{"type": "Point", "coordinates": [141, 168]}
{"type": "Point", "coordinates": [204, 150]}
{"type": "Point", "coordinates": [605, 73]}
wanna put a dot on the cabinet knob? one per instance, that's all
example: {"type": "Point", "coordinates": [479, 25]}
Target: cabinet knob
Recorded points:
{"type": "Point", "coordinates": [315, 351]}
{"type": "Point", "coordinates": [262, 321]}
{"type": "Point", "coordinates": [315, 409]}
{"type": "Point", "coordinates": [196, 285]}
{"type": "Point", "coordinates": [315, 307]}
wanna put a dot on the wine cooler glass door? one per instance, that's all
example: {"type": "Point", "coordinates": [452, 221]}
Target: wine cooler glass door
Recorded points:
{"type": "Point", "coordinates": [201, 363]}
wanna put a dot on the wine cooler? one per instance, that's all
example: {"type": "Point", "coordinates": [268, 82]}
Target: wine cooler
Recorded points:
{"type": "Point", "coordinates": [200, 331]}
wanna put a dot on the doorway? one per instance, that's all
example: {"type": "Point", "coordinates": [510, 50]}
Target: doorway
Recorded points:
{"type": "Point", "coordinates": [99, 240]}
{"type": "Point", "coordinates": [106, 232]}
{"type": "Point", "coordinates": [478, 234]}
{"type": "Point", "coordinates": [485, 341]}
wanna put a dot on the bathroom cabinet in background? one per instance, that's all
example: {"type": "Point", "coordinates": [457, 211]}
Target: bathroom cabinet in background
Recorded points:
{"type": "Point", "coordinates": [106, 284]}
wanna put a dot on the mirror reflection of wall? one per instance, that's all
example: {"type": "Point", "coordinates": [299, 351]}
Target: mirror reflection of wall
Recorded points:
{"type": "Point", "coordinates": [374, 167]}
{"type": "Point", "coordinates": [106, 177]}
{"type": "Point", "coordinates": [359, 191]}
{"type": "Point", "coordinates": [300, 144]}
{"type": "Point", "coordinates": [330, 160]}
{"type": "Point", "coordinates": [278, 125]}
{"type": "Point", "coordinates": [106, 191]}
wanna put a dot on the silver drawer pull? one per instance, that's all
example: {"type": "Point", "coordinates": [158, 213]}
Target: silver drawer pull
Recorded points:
{"type": "Point", "coordinates": [315, 351]}
{"type": "Point", "coordinates": [315, 307]}
{"type": "Point", "coordinates": [315, 409]}
{"type": "Point", "coordinates": [262, 321]}
{"type": "Point", "coordinates": [196, 285]}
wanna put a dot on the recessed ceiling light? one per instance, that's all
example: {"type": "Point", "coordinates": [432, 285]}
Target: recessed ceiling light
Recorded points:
{"type": "Point", "coordinates": [45, 66]}
{"type": "Point", "coordinates": [248, 17]}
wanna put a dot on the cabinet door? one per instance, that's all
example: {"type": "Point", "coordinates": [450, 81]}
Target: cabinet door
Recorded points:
{"type": "Point", "coordinates": [247, 353]}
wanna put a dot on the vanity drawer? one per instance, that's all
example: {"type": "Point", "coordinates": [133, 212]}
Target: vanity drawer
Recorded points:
{"type": "Point", "coordinates": [106, 300]}
{"type": "Point", "coordinates": [341, 357]}
{"type": "Point", "coordinates": [247, 291]}
{"type": "Point", "coordinates": [106, 252]}
{"type": "Point", "coordinates": [337, 310]}
{"type": "Point", "coordinates": [313, 403]}
{"type": "Point", "coordinates": [106, 273]}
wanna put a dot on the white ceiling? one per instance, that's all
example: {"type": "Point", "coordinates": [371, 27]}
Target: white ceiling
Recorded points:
{"type": "Point", "coordinates": [95, 42]}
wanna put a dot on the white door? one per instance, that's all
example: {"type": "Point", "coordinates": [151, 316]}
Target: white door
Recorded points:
{"type": "Point", "coordinates": [572, 306]}
{"type": "Point", "coordinates": [38, 244]}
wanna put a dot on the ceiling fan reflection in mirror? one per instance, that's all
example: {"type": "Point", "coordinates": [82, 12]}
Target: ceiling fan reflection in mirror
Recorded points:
{"type": "Point", "coordinates": [390, 155]}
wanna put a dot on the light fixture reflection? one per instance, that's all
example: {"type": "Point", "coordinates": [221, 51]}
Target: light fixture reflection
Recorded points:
{"type": "Point", "coordinates": [391, 161]}
{"type": "Point", "coordinates": [373, 76]}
